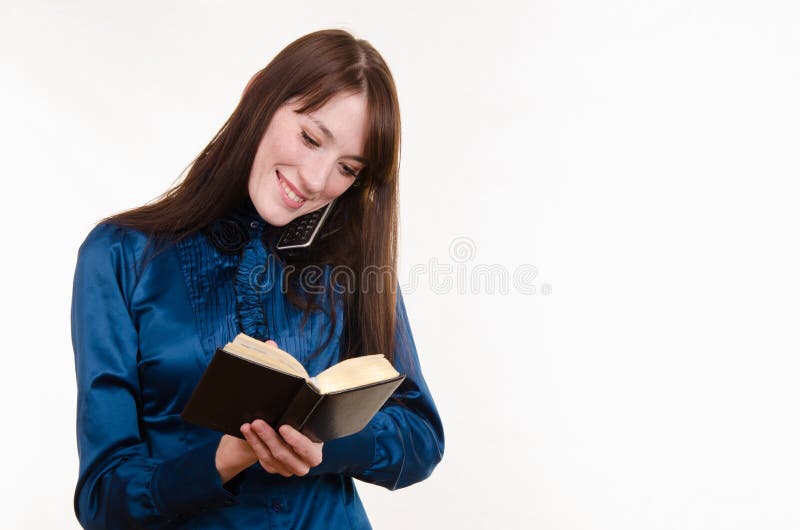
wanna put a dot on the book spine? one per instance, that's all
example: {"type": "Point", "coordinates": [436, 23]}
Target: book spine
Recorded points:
{"type": "Point", "coordinates": [300, 408]}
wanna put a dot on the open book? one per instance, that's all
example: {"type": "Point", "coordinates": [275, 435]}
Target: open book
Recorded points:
{"type": "Point", "coordinates": [249, 379]}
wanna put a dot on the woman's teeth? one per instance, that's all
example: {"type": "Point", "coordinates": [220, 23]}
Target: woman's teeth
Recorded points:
{"type": "Point", "coordinates": [292, 195]}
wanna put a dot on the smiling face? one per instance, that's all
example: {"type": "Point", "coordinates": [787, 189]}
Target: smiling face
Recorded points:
{"type": "Point", "coordinates": [304, 161]}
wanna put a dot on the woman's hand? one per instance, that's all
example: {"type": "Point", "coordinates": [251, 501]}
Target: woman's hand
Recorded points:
{"type": "Point", "coordinates": [287, 452]}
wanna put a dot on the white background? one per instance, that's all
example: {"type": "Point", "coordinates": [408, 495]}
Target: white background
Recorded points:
{"type": "Point", "coordinates": [641, 155]}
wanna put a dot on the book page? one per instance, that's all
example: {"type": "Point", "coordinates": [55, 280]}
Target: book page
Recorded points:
{"type": "Point", "coordinates": [261, 353]}
{"type": "Point", "coordinates": [355, 372]}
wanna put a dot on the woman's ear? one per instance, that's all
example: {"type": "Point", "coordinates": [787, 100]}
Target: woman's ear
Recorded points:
{"type": "Point", "coordinates": [250, 83]}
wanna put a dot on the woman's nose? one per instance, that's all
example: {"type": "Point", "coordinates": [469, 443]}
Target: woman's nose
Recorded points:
{"type": "Point", "coordinates": [315, 175]}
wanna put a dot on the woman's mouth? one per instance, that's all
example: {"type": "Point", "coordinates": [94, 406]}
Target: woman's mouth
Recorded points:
{"type": "Point", "coordinates": [290, 197]}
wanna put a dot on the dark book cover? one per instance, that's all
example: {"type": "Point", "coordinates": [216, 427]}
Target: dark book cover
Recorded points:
{"type": "Point", "coordinates": [234, 390]}
{"type": "Point", "coordinates": [328, 416]}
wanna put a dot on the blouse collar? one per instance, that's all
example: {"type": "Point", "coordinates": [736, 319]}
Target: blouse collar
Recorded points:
{"type": "Point", "coordinates": [230, 233]}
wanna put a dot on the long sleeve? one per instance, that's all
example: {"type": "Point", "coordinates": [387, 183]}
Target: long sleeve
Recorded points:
{"type": "Point", "coordinates": [403, 443]}
{"type": "Point", "coordinates": [120, 485]}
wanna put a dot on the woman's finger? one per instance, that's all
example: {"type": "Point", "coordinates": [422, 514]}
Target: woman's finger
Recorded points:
{"type": "Point", "coordinates": [280, 450]}
{"type": "Point", "coordinates": [310, 452]}
{"type": "Point", "coordinates": [262, 451]}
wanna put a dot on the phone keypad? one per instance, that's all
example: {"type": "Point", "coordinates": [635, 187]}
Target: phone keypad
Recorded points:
{"type": "Point", "coordinates": [300, 230]}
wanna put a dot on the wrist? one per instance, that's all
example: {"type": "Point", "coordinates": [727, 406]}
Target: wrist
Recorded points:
{"type": "Point", "coordinates": [226, 472]}
{"type": "Point", "coordinates": [227, 463]}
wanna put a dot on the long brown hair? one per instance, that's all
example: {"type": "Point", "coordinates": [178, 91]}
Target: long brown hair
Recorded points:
{"type": "Point", "coordinates": [362, 236]}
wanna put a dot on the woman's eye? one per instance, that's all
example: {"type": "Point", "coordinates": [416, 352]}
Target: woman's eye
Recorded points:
{"type": "Point", "coordinates": [347, 170]}
{"type": "Point", "coordinates": [308, 140]}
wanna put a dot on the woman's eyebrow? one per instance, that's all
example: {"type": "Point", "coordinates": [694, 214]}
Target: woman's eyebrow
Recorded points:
{"type": "Point", "coordinates": [322, 127]}
{"type": "Point", "coordinates": [327, 132]}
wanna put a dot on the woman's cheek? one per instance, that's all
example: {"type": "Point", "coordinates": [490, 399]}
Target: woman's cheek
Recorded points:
{"type": "Point", "coordinates": [288, 148]}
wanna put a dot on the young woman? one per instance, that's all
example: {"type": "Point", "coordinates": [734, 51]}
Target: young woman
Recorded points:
{"type": "Point", "coordinates": [158, 288]}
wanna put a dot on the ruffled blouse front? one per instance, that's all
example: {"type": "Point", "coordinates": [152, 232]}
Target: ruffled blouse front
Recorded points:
{"type": "Point", "coordinates": [142, 339]}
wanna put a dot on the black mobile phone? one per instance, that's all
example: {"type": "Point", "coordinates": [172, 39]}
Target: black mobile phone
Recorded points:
{"type": "Point", "coordinates": [301, 232]}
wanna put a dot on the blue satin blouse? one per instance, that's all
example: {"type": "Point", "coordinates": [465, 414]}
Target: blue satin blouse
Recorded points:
{"type": "Point", "coordinates": [142, 339]}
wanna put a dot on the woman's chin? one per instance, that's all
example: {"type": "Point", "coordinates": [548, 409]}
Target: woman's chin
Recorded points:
{"type": "Point", "coordinates": [278, 221]}
{"type": "Point", "coordinates": [275, 214]}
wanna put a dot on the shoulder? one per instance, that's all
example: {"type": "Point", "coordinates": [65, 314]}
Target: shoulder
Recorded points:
{"type": "Point", "coordinates": [108, 238]}
{"type": "Point", "coordinates": [112, 249]}
{"type": "Point", "coordinates": [105, 235]}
